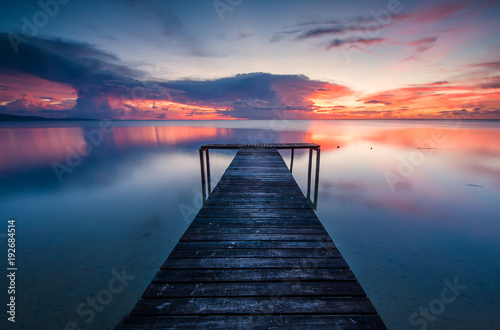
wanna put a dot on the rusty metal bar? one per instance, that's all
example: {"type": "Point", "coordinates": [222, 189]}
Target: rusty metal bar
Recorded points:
{"type": "Point", "coordinates": [309, 172]}
{"type": "Point", "coordinates": [209, 181]}
{"type": "Point", "coordinates": [203, 184]}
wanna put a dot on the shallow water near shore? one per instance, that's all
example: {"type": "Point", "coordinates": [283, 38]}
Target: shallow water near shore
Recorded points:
{"type": "Point", "coordinates": [412, 206]}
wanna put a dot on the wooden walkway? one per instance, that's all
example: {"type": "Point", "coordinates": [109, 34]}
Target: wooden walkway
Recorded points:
{"type": "Point", "coordinates": [255, 257]}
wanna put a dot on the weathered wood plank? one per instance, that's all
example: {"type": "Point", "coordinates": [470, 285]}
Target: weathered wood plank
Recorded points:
{"type": "Point", "coordinates": [243, 206]}
{"type": "Point", "coordinates": [258, 202]}
{"type": "Point", "coordinates": [310, 223]}
{"type": "Point", "coordinates": [253, 275]}
{"type": "Point", "coordinates": [305, 322]}
{"type": "Point", "coordinates": [250, 213]}
{"type": "Point", "coordinates": [251, 305]}
{"type": "Point", "coordinates": [254, 289]}
{"type": "Point", "coordinates": [256, 263]}
{"type": "Point", "coordinates": [318, 245]}
{"type": "Point", "coordinates": [255, 237]}
{"type": "Point", "coordinates": [254, 253]}
{"type": "Point", "coordinates": [230, 230]}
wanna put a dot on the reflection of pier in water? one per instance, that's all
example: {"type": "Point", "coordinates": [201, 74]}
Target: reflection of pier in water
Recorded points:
{"type": "Point", "coordinates": [205, 164]}
{"type": "Point", "coordinates": [255, 256]}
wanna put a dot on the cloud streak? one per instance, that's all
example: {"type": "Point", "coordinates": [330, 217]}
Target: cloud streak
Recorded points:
{"type": "Point", "coordinates": [367, 30]}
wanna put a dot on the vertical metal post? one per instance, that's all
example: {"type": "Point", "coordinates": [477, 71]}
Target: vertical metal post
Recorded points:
{"type": "Point", "coordinates": [202, 168]}
{"type": "Point", "coordinates": [208, 175]}
{"type": "Point", "coordinates": [291, 161]}
{"type": "Point", "coordinates": [309, 174]}
{"type": "Point", "coordinates": [316, 179]}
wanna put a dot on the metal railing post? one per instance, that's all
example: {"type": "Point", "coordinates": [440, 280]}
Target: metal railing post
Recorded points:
{"type": "Point", "coordinates": [209, 181]}
{"type": "Point", "coordinates": [316, 179]}
{"type": "Point", "coordinates": [309, 170]}
{"type": "Point", "coordinates": [202, 168]}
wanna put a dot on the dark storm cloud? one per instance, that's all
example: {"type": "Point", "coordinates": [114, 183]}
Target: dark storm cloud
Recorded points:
{"type": "Point", "coordinates": [252, 95]}
{"type": "Point", "coordinates": [239, 87]}
{"type": "Point", "coordinates": [63, 61]}
{"type": "Point", "coordinates": [99, 78]}
{"type": "Point", "coordinates": [93, 73]}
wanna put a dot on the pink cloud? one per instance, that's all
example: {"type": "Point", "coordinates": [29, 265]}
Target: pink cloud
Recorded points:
{"type": "Point", "coordinates": [439, 12]}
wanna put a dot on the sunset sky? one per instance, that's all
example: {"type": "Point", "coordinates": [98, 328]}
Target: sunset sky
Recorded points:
{"type": "Point", "coordinates": [250, 59]}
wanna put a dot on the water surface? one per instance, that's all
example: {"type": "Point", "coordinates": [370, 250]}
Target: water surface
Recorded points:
{"type": "Point", "coordinates": [412, 206]}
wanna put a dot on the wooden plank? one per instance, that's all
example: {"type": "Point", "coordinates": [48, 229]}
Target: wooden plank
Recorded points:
{"type": "Point", "coordinates": [254, 253]}
{"type": "Point", "coordinates": [255, 263]}
{"type": "Point", "coordinates": [237, 194]}
{"type": "Point", "coordinates": [255, 231]}
{"type": "Point", "coordinates": [254, 289]}
{"type": "Point", "coordinates": [261, 213]}
{"type": "Point", "coordinates": [255, 237]}
{"type": "Point", "coordinates": [274, 322]}
{"type": "Point", "coordinates": [257, 204]}
{"type": "Point", "coordinates": [253, 275]}
{"type": "Point", "coordinates": [273, 245]}
{"type": "Point", "coordinates": [252, 305]}
{"type": "Point", "coordinates": [256, 222]}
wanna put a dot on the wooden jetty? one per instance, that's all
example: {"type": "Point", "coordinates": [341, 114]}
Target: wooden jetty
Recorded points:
{"type": "Point", "coordinates": [255, 257]}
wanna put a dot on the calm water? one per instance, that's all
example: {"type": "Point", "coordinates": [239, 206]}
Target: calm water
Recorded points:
{"type": "Point", "coordinates": [414, 207]}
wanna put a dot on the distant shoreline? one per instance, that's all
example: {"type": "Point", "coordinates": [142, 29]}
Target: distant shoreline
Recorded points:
{"type": "Point", "coordinates": [16, 118]}
{"type": "Point", "coordinates": [6, 117]}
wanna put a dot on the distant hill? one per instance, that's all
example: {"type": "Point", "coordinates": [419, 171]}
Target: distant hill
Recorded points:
{"type": "Point", "coordinates": [5, 117]}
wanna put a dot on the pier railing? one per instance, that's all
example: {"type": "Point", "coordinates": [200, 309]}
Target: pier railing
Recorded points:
{"type": "Point", "coordinates": [206, 185]}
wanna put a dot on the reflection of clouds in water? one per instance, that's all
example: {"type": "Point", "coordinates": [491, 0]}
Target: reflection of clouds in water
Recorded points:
{"type": "Point", "coordinates": [356, 192]}
{"type": "Point", "coordinates": [484, 170]}
{"type": "Point", "coordinates": [406, 206]}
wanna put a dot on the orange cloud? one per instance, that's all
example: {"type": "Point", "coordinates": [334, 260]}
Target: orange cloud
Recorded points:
{"type": "Point", "coordinates": [33, 94]}
{"type": "Point", "coordinates": [436, 100]}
